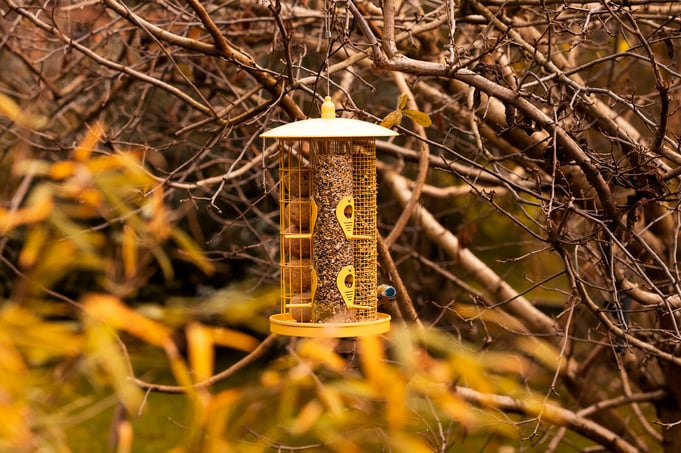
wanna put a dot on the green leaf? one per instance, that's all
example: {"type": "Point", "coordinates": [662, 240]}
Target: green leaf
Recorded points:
{"type": "Point", "coordinates": [418, 117]}
{"type": "Point", "coordinates": [402, 102]}
{"type": "Point", "coordinates": [392, 119]}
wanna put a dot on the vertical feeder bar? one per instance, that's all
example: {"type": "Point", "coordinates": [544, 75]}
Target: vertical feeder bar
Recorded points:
{"type": "Point", "coordinates": [327, 205]}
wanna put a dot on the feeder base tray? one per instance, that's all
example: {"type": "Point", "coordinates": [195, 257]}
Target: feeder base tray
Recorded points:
{"type": "Point", "coordinates": [283, 324]}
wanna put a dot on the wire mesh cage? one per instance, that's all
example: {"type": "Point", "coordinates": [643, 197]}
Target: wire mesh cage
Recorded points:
{"type": "Point", "coordinates": [327, 205]}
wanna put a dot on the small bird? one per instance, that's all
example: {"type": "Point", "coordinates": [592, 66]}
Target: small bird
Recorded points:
{"type": "Point", "coordinates": [386, 296]}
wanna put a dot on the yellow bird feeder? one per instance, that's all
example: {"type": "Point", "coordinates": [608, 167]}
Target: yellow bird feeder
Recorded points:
{"type": "Point", "coordinates": [327, 205]}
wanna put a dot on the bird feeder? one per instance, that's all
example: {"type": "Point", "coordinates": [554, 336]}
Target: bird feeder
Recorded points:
{"type": "Point", "coordinates": [327, 205]}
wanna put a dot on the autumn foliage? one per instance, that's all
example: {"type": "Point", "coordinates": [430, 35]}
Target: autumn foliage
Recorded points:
{"type": "Point", "coordinates": [528, 217]}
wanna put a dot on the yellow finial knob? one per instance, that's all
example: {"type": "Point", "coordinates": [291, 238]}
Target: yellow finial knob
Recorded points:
{"type": "Point", "coordinates": [328, 108]}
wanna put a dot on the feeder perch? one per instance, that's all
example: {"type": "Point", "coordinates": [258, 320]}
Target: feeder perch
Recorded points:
{"type": "Point", "coordinates": [327, 205]}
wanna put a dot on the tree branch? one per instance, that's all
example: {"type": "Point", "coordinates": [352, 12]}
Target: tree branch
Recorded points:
{"type": "Point", "coordinates": [554, 414]}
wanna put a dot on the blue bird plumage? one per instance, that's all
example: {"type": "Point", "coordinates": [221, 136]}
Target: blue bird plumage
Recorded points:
{"type": "Point", "coordinates": [386, 296]}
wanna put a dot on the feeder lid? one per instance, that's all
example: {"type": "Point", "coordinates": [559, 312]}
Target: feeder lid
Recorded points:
{"type": "Point", "coordinates": [328, 126]}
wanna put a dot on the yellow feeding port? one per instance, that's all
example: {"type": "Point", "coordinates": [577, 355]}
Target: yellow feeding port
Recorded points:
{"type": "Point", "coordinates": [327, 205]}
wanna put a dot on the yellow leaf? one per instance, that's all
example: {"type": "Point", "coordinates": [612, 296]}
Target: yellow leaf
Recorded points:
{"type": "Point", "coordinates": [306, 418]}
{"type": "Point", "coordinates": [101, 164]}
{"type": "Point", "coordinates": [373, 359]}
{"type": "Point", "coordinates": [331, 399]}
{"type": "Point", "coordinates": [164, 262]}
{"type": "Point", "coordinates": [320, 351]}
{"type": "Point", "coordinates": [498, 317]}
{"type": "Point", "coordinates": [402, 442]}
{"type": "Point", "coordinates": [217, 415]}
{"type": "Point", "coordinates": [158, 226]}
{"type": "Point", "coordinates": [105, 358]}
{"type": "Point", "coordinates": [201, 352]}
{"type": "Point", "coordinates": [56, 260]}
{"type": "Point", "coordinates": [62, 169]}
{"type": "Point", "coordinates": [37, 340]}
{"type": "Point", "coordinates": [392, 119]}
{"type": "Point", "coordinates": [544, 352]}
{"type": "Point", "coordinates": [402, 101]}
{"type": "Point", "coordinates": [128, 161]}
{"type": "Point", "coordinates": [40, 208]}
{"type": "Point", "coordinates": [129, 252]}
{"type": "Point", "coordinates": [15, 433]}
{"type": "Point", "coordinates": [10, 359]}
{"type": "Point", "coordinates": [9, 109]}
{"type": "Point", "coordinates": [112, 311]}
{"type": "Point", "coordinates": [191, 251]}
{"type": "Point", "coordinates": [33, 245]}
{"type": "Point", "coordinates": [505, 362]}
{"type": "Point", "coordinates": [418, 117]}
{"type": "Point", "coordinates": [470, 371]}
{"type": "Point", "coordinates": [233, 339]}
{"type": "Point", "coordinates": [395, 392]}
{"type": "Point", "coordinates": [85, 148]}
{"type": "Point", "coordinates": [186, 69]}
{"type": "Point", "coordinates": [91, 197]}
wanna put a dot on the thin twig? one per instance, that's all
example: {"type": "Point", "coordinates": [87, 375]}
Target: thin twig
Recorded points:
{"type": "Point", "coordinates": [423, 165]}
{"type": "Point", "coordinates": [254, 355]}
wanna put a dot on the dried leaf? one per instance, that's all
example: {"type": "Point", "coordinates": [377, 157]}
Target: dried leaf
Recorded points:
{"type": "Point", "coordinates": [85, 148]}
{"type": "Point", "coordinates": [201, 351]}
{"type": "Point", "coordinates": [321, 352]}
{"type": "Point", "coordinates": [154, 209]}
{"type": "Point", "coordinates": [91, 197]}
{"type": "Point", "coordinates": [11, 361]}
{"type": "Point", "coordinates": [15, 432]}
{"type": "Point", "coordinates": [111, 310]}
{"type": "Point", "coordinates": [192, 252]}
{"type": "Point", "coordinates": [39, 208]}
{"type": "Point", "coordinates": [33, 245]}
{"type": "Point", "coordinates": [332, 399]}
{"type": "Point", "coordinates": [129, 252]}
{"type": "Point", "coordinates": [62, 170]}
{"type": "Point", "coordinates": [395, 394]}
{"type": "Point", "coordinates": [392, 119]}
{"type": "Point", "coordinates": [103, 355]}
{"type": "Point", "coordinates": [418, 117]}
{"type": "Point", "coordinates": [233, 339]}
{"type": "Point", "coordinates": [306, 418]}
{"type": "Point", "coordinates": [402, 442]}
{"type": "Point", "coordinates": [402, 101]}
{"type": "Point", "coordinates": [373, 359]}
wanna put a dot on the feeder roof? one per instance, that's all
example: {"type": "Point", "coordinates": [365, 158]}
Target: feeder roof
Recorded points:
{"type": "Point", "coordinates": [328, 126]}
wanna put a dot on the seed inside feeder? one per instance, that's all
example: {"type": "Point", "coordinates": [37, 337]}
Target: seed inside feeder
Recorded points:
{"type": "Point", "coordinates": [331, 182]}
